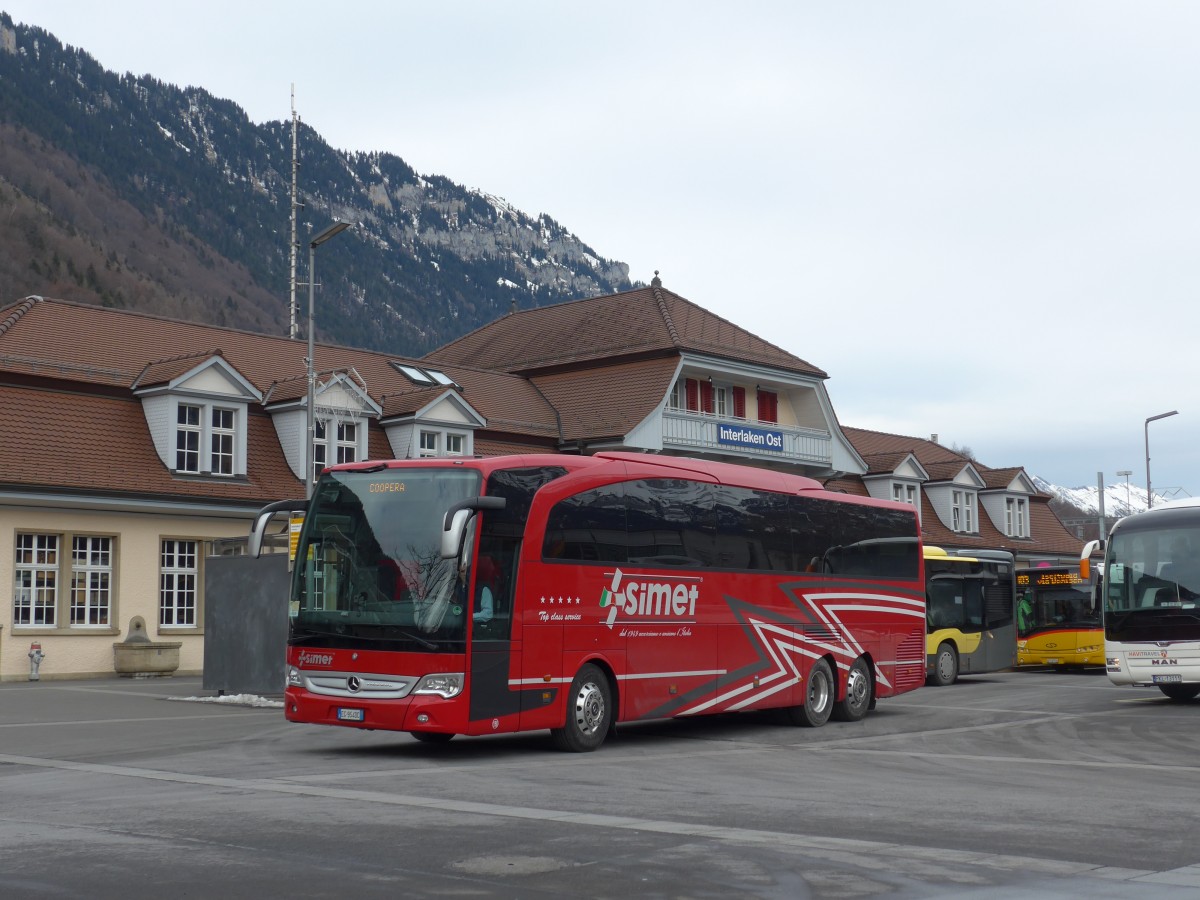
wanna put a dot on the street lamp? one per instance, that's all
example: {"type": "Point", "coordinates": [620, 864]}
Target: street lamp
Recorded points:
{"type": "Point", "coordinates": [1126, 473]}
{"type": "Point", "coordinates": [1149, 494]}
{"type": "Point", "coordinates": [337, 227]}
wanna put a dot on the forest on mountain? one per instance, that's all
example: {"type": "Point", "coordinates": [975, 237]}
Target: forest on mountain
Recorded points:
{"type": "Point", "coordinates": [132, 193]}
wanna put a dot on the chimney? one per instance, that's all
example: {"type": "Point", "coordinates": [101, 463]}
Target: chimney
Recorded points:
{"type": "Point", "coordinates": [933, 437]}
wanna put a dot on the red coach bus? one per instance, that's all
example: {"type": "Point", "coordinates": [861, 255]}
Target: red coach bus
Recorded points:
{"type": "Point", "coordinates": [482, 596]}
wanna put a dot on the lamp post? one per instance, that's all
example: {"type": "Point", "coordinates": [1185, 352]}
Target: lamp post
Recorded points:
{"type": "Point", "coordinates": [1126, 473]}
{"type": "Point", "coordinates": [1149, 493]}
{"type": "Point", "coordinates": [337, 227]}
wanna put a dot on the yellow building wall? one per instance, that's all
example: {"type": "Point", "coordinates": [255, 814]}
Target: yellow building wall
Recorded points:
{"type": "Point", "coordinates": [87, 652]}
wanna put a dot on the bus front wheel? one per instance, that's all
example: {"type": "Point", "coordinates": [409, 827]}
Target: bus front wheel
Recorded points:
{"type": "Point", "coordinates": [858, 693]}
{"type": "Point", "coordinates": [945, 669]}
{"type": "Point", "coordinates": [818, 698]}
{"type": "Point", "coordinates": [589, 713]}
{"type": "Point", "coordinates": [1180, 693]}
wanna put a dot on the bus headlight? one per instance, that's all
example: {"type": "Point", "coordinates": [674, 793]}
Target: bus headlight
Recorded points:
{"type": "Point", "coordinates": [294, 678]}
{"type": "Point", "coordinates": [443, 684]}
{"type": "Point", "coordinates": [1114, 663]}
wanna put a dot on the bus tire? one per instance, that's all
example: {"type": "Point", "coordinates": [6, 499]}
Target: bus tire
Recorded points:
{"type": "Point", "coordinates": [1180, 693]}
{"type": "Point", "coordinates": [853, 707]}
{"type": "Point", "coordinates": [945, 666]}
{"type": "Point", "coordinates": [589, 713]}
{"type": "Point", "coordinates": [819, 695]}
{"type": "Point", "coordinates": [432, 737]}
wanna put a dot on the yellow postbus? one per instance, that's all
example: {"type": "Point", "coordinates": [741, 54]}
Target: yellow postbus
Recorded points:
{"type": "Point", "coordinates": [1057, 621]}
{"type": "Point", "coordinates": [969, 626]}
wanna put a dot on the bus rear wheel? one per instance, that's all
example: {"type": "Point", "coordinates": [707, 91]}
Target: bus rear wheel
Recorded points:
{"type": "Point", "coordinates": [858, 693]}
{"type": "Point", "coordinates": [1180, 693]}
{"type": "Point", "coordinates": [945, 668]}
{"type": "Point", "coordinates": [818, 698]}
{"type": "Point", "coordinates": [589, 713]}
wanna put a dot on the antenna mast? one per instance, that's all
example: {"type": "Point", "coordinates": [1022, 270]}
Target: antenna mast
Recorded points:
{"type": "Point", "coordinates": [292, 328]}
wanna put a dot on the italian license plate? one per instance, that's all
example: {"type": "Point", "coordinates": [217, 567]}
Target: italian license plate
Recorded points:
{"type": "Point", "coordinates": [1168, 679]}
{"type": "Point", "coordinates": [348, 714]}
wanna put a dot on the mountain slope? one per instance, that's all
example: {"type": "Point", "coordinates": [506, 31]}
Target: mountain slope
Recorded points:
{"type": "Point", "coordinates": [135, 193]}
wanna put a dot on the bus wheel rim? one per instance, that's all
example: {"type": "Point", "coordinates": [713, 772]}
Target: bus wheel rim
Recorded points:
{"type": "Point", "coordinates": [589, 708]}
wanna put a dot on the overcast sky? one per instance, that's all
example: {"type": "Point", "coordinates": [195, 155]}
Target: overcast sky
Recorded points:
{"type": "Point", "coordinates": [979, 218]}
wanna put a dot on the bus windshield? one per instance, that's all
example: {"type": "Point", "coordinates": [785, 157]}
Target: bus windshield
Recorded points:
{"type": "Point", "coordinates": [369, 571]}
{"type": "Point", "coordinates": [1152, 584]}
{"type": "Point", "coordinates": [1054, 598]}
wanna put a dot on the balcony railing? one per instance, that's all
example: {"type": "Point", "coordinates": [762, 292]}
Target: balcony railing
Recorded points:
{"type": "Point", "coordinates": [700, 431]}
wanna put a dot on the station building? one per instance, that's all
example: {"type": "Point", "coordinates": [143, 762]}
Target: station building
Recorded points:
{"type": "Point", "coordinates": [134, 445]}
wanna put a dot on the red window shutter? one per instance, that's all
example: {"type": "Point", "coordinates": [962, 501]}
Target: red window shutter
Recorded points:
{"type": "Point", "coordinates": [693, 395]}
{"type": "Point", "coordinates": [706, 396]}
{"type": "Point", "coordinates": [739, 402]}
{"type": "Point", "coordinates": [768, 406]}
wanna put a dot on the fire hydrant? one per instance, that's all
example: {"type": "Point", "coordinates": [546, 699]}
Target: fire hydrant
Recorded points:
{"type": "Point", "coordinates": [35, 659]}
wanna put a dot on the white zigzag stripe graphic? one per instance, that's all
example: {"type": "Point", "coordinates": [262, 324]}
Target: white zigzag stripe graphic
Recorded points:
{"type": "Point", "coordinates": [784, 644]}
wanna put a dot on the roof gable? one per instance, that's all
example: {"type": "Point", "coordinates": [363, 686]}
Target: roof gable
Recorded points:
{"type": "Point", "coordinates": [209, 374]}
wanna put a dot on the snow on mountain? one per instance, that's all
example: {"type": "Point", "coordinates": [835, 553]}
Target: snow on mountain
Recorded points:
{"type": "Point", "coordinates": [1120, 499]}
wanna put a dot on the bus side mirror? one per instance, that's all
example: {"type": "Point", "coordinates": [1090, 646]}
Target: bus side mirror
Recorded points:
{"type": "Point", "coordinates": [262, 517]}
{"type": "Point", "coordinates": [454, 523]}
{"type": "Point", "coordinates": [1085, 558]}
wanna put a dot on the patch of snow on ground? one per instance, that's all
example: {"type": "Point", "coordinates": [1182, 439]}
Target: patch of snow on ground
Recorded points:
{"type": "Point", "coordinates": [235, 700]}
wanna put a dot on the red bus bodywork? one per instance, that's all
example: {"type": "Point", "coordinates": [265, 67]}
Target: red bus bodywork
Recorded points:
{"type": "Point", "coordinates": [670, 641]}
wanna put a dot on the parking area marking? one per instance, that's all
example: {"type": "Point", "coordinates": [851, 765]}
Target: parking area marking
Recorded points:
{"type": "Point", "coordinates": [853, 849]}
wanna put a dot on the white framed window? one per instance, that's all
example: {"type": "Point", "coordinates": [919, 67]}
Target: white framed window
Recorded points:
{"type": "Point", "coordinates": [42, 565]}
{"type": "Point", "coordinates": [347, 442]}
{"type": "Point", "coordinates": [429, 443]}
{"type": "Point", "coordinates": [178, 578]}
{"type": "Point", "coordinates": [222, 441]}
{"type": "Point", "coordinates": [320, 447]}
{"type": "Point", "coordinates": [678, 398]}
{"type": "Point", "coordinates": [187, 438]}
{"type": "Point", "coordinates": [35, 588]}
{"type": "Point", "coordinates": [91, 580]}
{"type": "Point", "coordinates": [720, 400]}
{"type": "Point", "coordinates": [209, 439]}
{"type": "Point", "coordinates": [454, 444]}
{"type": "Point", "coordinates": [1016, 518]}
{"type": "Point", "coordinates": [963, 511]}
{"type": "Point", "coordinates": [905, 493]}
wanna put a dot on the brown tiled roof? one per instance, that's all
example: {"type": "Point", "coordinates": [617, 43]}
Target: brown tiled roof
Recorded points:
{"type": "Point", "coordinates": [1049, 535]}
{"type": "Point", "coordinates": [75, 342]}
{"type": "Point", "coordinates": [879, 463]}
{"type": "Point", "coordinates": [870, 443]}
{"type": "Point", "coordinates": [1000, 478]}
{"type": "Point", "coordinates": [649, 321]}
{"type": "Point", "coordinates": [99, 444]}
{"type": "Point", "coordinates": [608, 401]}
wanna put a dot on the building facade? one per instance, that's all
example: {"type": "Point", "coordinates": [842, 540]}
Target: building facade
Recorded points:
{"type": "Point", "coordinates": [134, 444]}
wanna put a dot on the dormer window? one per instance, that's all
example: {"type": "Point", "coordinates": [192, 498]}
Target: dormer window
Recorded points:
{"type": "Point", "coordinates": [202, 425]}
{"type": "Point", "coordinates": [963, 511]}
{"type": "Point", "coordinates": [187, 439]}
{"type": "Point", "coordinates": [336, 442]}
{"type": "Point", "coordinates": [905, 493]}
{"type": "Point", "coordinates": [1016, 517]}
{"type": "Point", "coordinates": [197, 410]}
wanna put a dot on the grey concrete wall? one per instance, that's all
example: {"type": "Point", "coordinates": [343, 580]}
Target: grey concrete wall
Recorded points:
{"type": "Point", "coordinates": [245, 623]}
